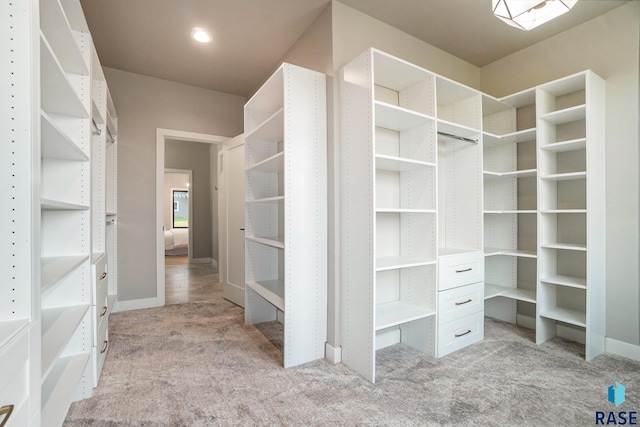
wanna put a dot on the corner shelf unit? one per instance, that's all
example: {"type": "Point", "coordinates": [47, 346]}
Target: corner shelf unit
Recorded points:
{"type": "Point", "coordinates": [389, 208]}
{"type": "Point", "coordinates": [571, 218]}
{"type": "Point", "coordinates": [286, 222]}
{"type": "Point", "coordinates": [510, 207]}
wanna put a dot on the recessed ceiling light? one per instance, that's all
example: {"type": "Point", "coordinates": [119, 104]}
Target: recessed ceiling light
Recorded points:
{"type": "Point", "coordinates": [201, 35]}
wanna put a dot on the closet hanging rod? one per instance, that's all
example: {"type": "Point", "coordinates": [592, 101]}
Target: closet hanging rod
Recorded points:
{"type": "Point", "coordinates": [97, 128]}
{"type": "Point", "coordinates": [111, 138]}
{"type": "Point", "coordinates": [461, 138]}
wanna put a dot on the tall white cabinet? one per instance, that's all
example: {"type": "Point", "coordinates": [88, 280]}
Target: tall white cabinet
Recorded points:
{"type": "Point", "coordinates": [286, 212]}
{"type": "Point", "coordinates": [54, 97]}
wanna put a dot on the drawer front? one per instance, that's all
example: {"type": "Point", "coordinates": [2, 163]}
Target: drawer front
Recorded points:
{"type": "Point", "coordinates": [99, 352]}
{"type": "Point", "coordinates": [99, 271]}
{"type": "Point", "coordinates": [102, 300]}
{"type": "Point", "coordinates": [459, 302]}
{"type": "Point", "coordinates": [460, 269]}
{"type": "Point", "coordinates": [460, 333]}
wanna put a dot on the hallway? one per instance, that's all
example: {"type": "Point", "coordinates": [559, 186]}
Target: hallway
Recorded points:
{"type": "Point", "coordinates": [186, 282]}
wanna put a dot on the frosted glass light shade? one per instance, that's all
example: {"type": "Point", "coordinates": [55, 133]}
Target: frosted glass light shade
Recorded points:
{"type": "Point", "coordinates": [528, 14]}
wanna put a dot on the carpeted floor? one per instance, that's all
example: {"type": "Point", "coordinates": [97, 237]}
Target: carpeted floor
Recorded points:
{"type": "Point", "coordinates": [199, 365]}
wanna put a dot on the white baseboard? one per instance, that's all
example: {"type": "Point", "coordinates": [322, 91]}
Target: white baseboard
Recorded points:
{"type": "Point", "coordinates": [137, 304]}
{"type": "Point", "coordinates": [206, 260]}
{"type": "Point", "coordinates": [620, 348]}
{"type": "Point", "coordinates": [214, 263]}
{"type": "Point", "coordinates": [526, 321]}
{"type": "Point", "coordinates": [332, 354]}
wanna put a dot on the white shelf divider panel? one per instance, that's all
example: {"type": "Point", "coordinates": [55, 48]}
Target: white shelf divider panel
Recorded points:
{"type": "Point", "coordinates": [388, 208]}
{"type": "Point", "coordinates": [571, 267]}
{"type": "Point", "coordinates": [286, 242]}
{"type": "Point", "coordinates": [19, 270]}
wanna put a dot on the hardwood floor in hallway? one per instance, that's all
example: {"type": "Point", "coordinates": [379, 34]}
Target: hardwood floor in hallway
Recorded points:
{"type": "Point", "coordinates": [186, 282]}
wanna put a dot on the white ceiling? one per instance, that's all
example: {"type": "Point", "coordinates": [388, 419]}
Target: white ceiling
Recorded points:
{"type": "Point", "coordinates": [152, 37]}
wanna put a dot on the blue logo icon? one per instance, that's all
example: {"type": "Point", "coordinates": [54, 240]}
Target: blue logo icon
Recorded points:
{"type": "Point", "coordinates": [615, 394]}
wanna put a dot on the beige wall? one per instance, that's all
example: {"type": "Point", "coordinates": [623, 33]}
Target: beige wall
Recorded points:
{"type": "Point", "coordinates": [194, 156]}
{"type": "Point", "coordinates": [610, 46]}
{"type": "Point", "coordinates": [144, 104]}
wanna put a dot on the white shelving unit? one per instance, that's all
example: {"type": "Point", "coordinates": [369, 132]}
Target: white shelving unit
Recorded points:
{"type": "Point", "coordinates": [510, 207]}
{"type": "Point", "coordinates": [65, 183]}
{"type": "Point", "coordinates": [19, 272]}
{"type": "Point", "coordinates": [389, 208]}
{"type": "Point", "coordinates": [111, 202]}
{"type": "Point", "coordinates": [571, 218]}
{"type": "Point", "coordinates": [286, 241]}
{"type": "Point", "coordinates": [460, 235]}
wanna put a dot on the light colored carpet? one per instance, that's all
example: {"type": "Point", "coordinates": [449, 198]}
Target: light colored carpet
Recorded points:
{"type": "Point", "coordinates": [199, 365]}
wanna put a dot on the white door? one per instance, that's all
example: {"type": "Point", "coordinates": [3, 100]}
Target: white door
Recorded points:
{"type": "Point", "coordinates": [231, 218]}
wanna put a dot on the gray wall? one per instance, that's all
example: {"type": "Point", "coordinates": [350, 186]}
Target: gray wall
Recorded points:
{"type": "Point", "coordinates": [610, 46]}
{"type": "Point", "coordinates": [194, 156]}
{"type": "Point", "coordinates": [144, 104]}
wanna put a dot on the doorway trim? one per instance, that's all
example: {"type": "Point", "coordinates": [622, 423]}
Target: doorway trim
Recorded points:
{"type": "Point", "coordinates": [162, 135]}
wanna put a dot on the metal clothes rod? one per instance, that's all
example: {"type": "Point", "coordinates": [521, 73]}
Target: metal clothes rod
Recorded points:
{"type": "Point", "coordinates": [461, 138]}
{"type": "Point", "coordinates": [95, 125]}
{"type": "Point", "coordinates": [111, 138]}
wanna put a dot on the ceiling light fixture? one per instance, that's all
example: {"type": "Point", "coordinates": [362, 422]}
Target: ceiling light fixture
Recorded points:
{"type": "Point", "coordinates": [528, 14]}
{"type": "Point", "coordinates": [201, 35]}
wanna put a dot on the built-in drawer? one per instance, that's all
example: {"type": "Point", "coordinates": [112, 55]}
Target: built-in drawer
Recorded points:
{"type": "Point", "coordinates": [99, 352]}
{"type": "Point", "coordinates": [101, 308]}
{"type": "Point", "coordinates": [460, 333]}
{"type": "Point", "coordinates": [459, 302]}
{"type": "Point", "coordinates": [99, 271]}
{"type": "Point", "coordinates": [460, 269]}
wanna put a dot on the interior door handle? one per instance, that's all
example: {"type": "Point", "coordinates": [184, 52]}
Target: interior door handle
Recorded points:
{"type": "Point", "coordinates": [242, 229]}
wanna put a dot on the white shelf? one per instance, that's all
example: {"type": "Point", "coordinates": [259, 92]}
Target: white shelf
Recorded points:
{"type": "Point", "coordinates": [56, 28]}
{"type": "Point", "coordinates": [458, 130]}
{"type": "Point", "coordinates": [565, 176]}
{"type": "Point", "coordinates": [564, 246]}
{"type": "Point", "coordinates": [566, 115]}
{"type": "Point", "coordinates": [273, 164]}
{"type": "Point", "coordinates": [569, 281]}
{"type": "Point", "coordinates": [563, 211]}
{"type": "Point", "coordinates": [274, 241]}
{"type": "Point", "coordinates": [272, 129]}
{"type": "Point", "coordinates": [491, 140]}
{"type": "Point", "coordinates": [271, 290]}
{"type": "Point", "coordinates": [56, 205]}
{"type": "Point", "coordinates": [488, 175]}
{"type": "Point", "coordinates": [11, 328]}
{"type": "Point", "coordinates": [60, 387]}
{"type": "Point", "coordinates": [399, 210]}
{"type": "Point", "coordinates": [491, 290]}
{"type": "Point", "coordinates": [400, 164]}
{"type": "Point", "coordinates": [396, 313]}
{"type": "Point", "coordinates": [397, 118]}
{"type": "Point", "coordinates": [573, 317]}
{"type": "Point", "coordinates": [394, 263]}
{"type": "Point", "coordinates": [510, 211]}
{"type": "Point", "coordinates": [56, 143]}
{"type": "Point", "coordinates": [55, 269]}
{"type": "Point", "coordinates": [509, 252]}
{"type": "Point", "coordinates": [58, 325]}
{"type": "Point", "coordinates": [268, 200]}
{"type": "Point", "coordinates": [565, 146]}
{"type": "Point", "coordinates": [57, 93]}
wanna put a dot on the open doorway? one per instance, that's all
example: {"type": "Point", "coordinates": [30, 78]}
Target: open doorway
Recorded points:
{"type": "Point", "coordinates": [172, 148]}
{"type": "Point", "coordinates": [177, 209]}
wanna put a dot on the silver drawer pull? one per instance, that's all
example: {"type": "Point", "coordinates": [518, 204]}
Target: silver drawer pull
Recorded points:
{"type": "Point", "coordinates": [465, 270]}
{"type": "Point", "coordinates": [104, 347]}
{"type": "Point", "coordinates": [104, 311]}
{"type": "Point", "coordinates": [103, 275]}
{"type": "Point", "coordinates": [464, 302]}
{"type": "Point", "coordinates": [463, 334]}
{"type": "Point", "coordinates": [5, 413]}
